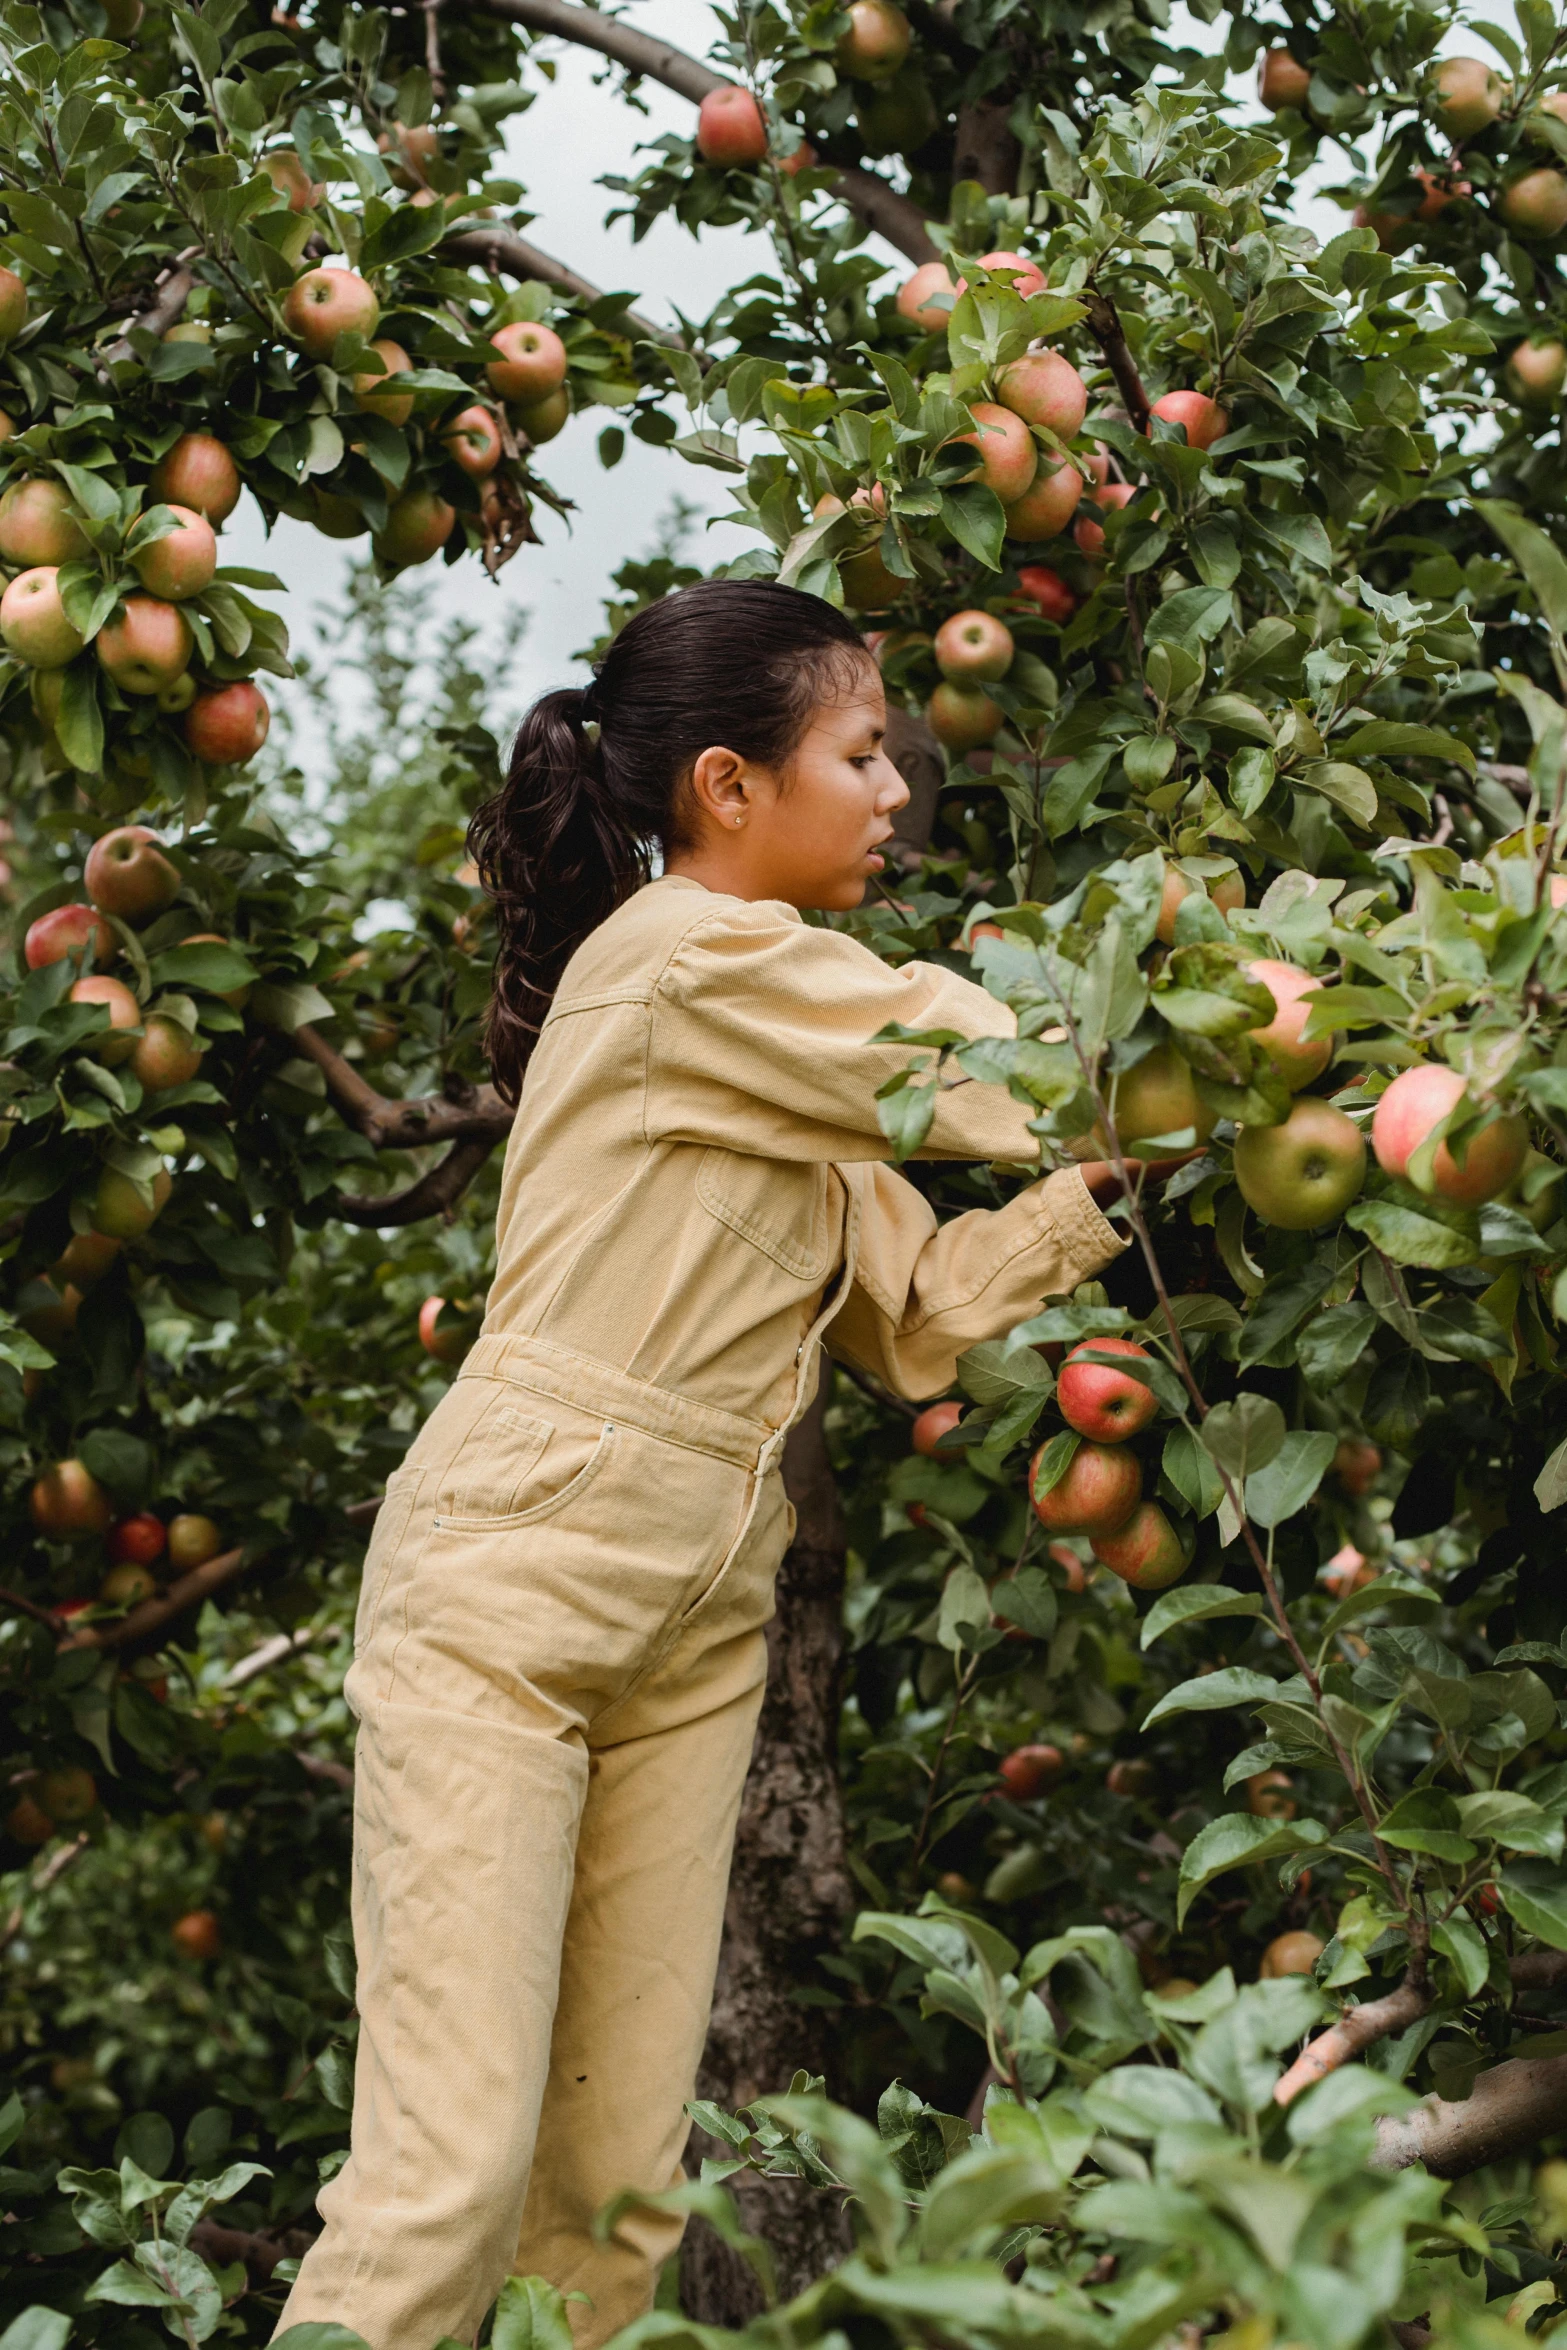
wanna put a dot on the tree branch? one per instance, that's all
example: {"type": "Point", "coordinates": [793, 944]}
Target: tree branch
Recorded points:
{"type": "Point", "coordinates": [433, 1195]}
{"type": "Point", "coordinates": [1104, 324]}
{"type": "Point", "coordinates": [881, 207]}
{"type": "Point", "coordinates": [1510, 2108]}
{"type": "Point", "coordinates": [1375, 2019]}
{"type": "Point", "coordinates": [478, 1116]}
{"type": "Point", "coordinates": [502, 249]}
{"type": "Point", "coordinates": [1539, 1970]}
{"type": "Point", "coordinates": [153, 1614]}
{"type": "Point", "coordinates": [174, 290]}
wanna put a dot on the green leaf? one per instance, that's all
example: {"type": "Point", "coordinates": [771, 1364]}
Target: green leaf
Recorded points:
{"type": "Point", "coordinates": [530, 2313]}
{"type": "Point", "coordinates": [1332, 1343]}
{"type": "Point", "coordinates": [974, 515]}
{"type": "Point", "coordinates": [1192, 1603]}
{"type": "Point", "coordinates": [1535, 1892]}
{"type": "Point", "coordinates": [1054, 1460]}
{"type": "Point", "coordinates": [1236, 1840]}
{"type": "Point", "coordinates": [288, 1004]}
{"type": "Point", "coordinates": [1537, 557]}
{"type": "Point", "coordinates": [79, 727]}
{"type": "Point", "coordinates": [37, 2328]}
{"type": "Point", "coordinates": [1550, 1487]}
{"type": "Point", "coordinates": [1414, 1236]}
{"type": "Point", "coordinates": [1347, 786]}
{"type": "Point", "coordinates": [996, 1374]}
{"type": "Point", "coordinates": [904, 1112]}
{"type": "Point", "coordinates": [1387, 738]}
{"type": "Point", "coordinates": [1245, 1435]}
{"type": "Point", "coordinates": [1427, 1821]}
{"type": "Point", "coordinates": [1287, 1482]}
{"type": "Point", "coordinates": [1499, 1815]}
{"type": "Point", "coordinates": [1462, 1941]}
{"type": "Point", "coordinates": [219, 970]}
{"type": "Point", "coordinates": [1195, 1477]}
{"type": "Point", "coordinates": [1209, 1693]}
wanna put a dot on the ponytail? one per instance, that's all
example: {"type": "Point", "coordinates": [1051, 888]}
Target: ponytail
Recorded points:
{"type": "Point", "coordinates": [572, 832]}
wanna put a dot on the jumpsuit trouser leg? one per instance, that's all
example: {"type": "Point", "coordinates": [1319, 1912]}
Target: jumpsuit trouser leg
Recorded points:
{"type": "Point", "coordinates": [557, 1709]}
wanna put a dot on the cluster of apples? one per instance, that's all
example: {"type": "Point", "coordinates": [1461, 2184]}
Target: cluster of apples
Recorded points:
{"type": "Point", "coordinates": [1101, 1491]}
{"type": "Point", "coordinates": [731, 129]}
{"type": "Point", "coordinates": [146, 646]}
{"type": "Point", "coordinates": [53, 1800]}
{"type": "Point", "coordinates": [973, 649]}
{"type": "Point", "coordinates": [67, 1502]}
{"type": "Point", "coordinates": [528, 373]}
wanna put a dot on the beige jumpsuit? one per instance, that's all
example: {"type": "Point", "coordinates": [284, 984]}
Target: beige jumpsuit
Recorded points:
{"type": "Point", "coordinates": [559, 1652]}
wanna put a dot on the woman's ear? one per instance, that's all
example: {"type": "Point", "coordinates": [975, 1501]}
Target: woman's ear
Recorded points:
{"type": "Point", "coordinates": [720, 789]}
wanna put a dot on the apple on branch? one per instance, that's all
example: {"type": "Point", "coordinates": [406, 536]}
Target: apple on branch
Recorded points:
{"type": "Point", "coordinates": [127, 874]}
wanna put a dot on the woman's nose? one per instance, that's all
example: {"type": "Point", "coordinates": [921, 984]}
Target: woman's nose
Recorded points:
{"type": "Point", "coordinates": [894, 792]}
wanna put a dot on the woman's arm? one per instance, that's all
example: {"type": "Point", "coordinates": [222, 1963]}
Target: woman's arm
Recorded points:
{"type": "Point", "coordinates": [924, 1291]}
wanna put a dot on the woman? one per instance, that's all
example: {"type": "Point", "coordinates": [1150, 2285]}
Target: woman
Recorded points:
{"type": "Point", "coordinates": [559, 1652]}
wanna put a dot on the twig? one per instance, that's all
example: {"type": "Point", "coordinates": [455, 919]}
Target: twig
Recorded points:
{"type": "Point", "coordinates": [30, 1607]}
{"type": "Point", "coordinates": [363, 1513]}
{"type": "Point", "coordinates": [153, 1614]}
{"type": "Point", "coordinates": [501, 249]}
{"type": "Point", "coordinates": [271, 1652]}
{"type": "Point", "coordinates": [320, 1766]}
{"type": "Point", "coordinates": [965, 1686]}
{"type": "Point", "coordinates": [1361, 2028]}
{"type": "Point", "coordinates": [477, 1115]}
{"type": "Point", "coordinates": [432, 49]}
{"type": "Point", "coordinates": [1104, 324]}
{"type": "Point", "coordinates": [879, 205]}
{"type": "Point", "coordinates": [434, 1194]}
{"type": "Point", "coordinates": [48, 1873]}
{"type": "Point", "coordinates": [174, 289]}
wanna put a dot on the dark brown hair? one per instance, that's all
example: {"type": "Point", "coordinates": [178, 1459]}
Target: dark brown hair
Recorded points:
{"type": "Point", "coordinates": [570, 835]}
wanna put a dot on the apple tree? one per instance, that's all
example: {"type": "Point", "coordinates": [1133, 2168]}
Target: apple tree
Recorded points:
{"type": "Point", "coordinates": [1198, 1775]}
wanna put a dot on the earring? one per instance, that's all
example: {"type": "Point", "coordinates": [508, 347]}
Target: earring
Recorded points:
{"type": "Point", "coordinates": [739, 820]}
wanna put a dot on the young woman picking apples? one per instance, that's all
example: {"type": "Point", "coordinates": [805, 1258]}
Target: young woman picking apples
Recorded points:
{"type": "Point", "coordinates": [559, 1652]}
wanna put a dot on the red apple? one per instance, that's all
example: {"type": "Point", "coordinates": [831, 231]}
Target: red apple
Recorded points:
{"type": "Point", "coordinates": [414, 147]}
{"type": "Point", "coordinates": [1270, 1795]}
{"type": "Point", "coordinates": [1536, 373]}
{"type": "Point", "coordinates": [1154, 1097]}
{"type": "Point", "coordinates": [1281, 80]}
{"type": "Point", "coordinates": [802, 159]}
{"type": "Point", "coordinates": [137, 1541]}
{"type": "Point", "coordinates": [128, 875]}
{"type": "Point", "coordinates": [418, 525]}
{"type": "Point", "coordinates": [13, 305]}
{"type": "Point", "coordinates": [326, 303]}
{"type": "Point", "coordinates": [1088, 533]}
{"type": "Point", "coordinates": [974, 648]}
{"type": "Point", "coordinates": [1418, 1100]}
{"type": "Point", "coordinates": [68, 1500]}
{"type": "Point", "coordinates": [532, 363]}
{"type": "Point", "coordinates": [1357, 1464]}
{"type": "Point", "coordinates": [1227, 891]}
{"type": "Point", "coordinates": [85, 1258]}
{"type": "Point", "coordinates": [28, 1823]}
{"type": "Point", "coordinates": [33, 622]}
{"type": "Point", "coordinates": [1047, 591]}
{"type": "Point", "coordinates": [182, 564]}
{"type": "Point", "coordinates": [448, 1345]}
{"type": "Point", "coordinates": [1025, 277]}
{"type": "Point", "coordinates": [1132, 1778]}
{"type": "Point", "coordinates": [192, 1541]}
{"type": "Point", "coordinates": [1044, 389]}
{"type": "Point", "coordinates": [731, 129]}
{"type": "Point", "coordinates": [1438, 194]}
{"type": "Point", "coordinates": [1205, 421]}
{"type": "Point", "coordinates": [1049, 502]}
{"type": "Point", "coordinates": [197, 1934]}
{"type": "Point", "coordinates": [915, 301]}
{"type": "Point", "coordinates": [960, 719]}
{"type": "Point", "coordinates": [1536, 204]}
{"type": "Point", "coordinates": [1281, 1037]}
{"type": "Point", "coordinates": [1029, 1770]}
{"type": "Point", "coordinates": [145, 645]}
{"type": "Point", "coordinates": [165, 1056]}
{"type": "Point", "coordinates": [1100, 1402]}
{"type": "Point", "coordinates": [198, 473]}
{"type": "Point", "coordinates": [1146, 1552]}
{"type": "Point", "coordinates": [228, 724]}
{"type": "Point", "coordinates": [1008, 458]}
{"type": "Point", "coordinates": [116, 1043]}
{"type": "Point", "coordinates": [473, 441]}
{"type": "Point", "coordinates": [371, 388]}
{"type": "Point", "coordinates": [1100, 1490]}
{"type": "Point", "coordinates": [120, 1211]}
{"type": "Point", "coordinates": [876, 42]}
{"type": "Point", "coordinates": [38, 525]}
{"type": "Point", "coordinates": [1467, 95]}
{"type": "Point", "coordinates": [290, 178]}
{"type": "Point", "coordinates": [933, 1423]}
{"type": "Point", "coordinates": [1290, 1954]}
{"type": "Point", "coordinates": [1305, 1172]}
{"type": "Point", "coordinates": [65, 932]}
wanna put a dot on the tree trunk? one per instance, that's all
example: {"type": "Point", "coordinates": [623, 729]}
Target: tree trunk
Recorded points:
{"type": "Point", "coordinates": [787, 1897]}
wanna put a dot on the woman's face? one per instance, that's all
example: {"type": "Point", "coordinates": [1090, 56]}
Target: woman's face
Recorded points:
{"type": "Point", "coordinates": [810, 833]}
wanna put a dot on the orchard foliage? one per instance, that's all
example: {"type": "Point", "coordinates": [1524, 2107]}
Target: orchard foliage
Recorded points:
{"type": "Point", "coordinates": [1198, 1854]}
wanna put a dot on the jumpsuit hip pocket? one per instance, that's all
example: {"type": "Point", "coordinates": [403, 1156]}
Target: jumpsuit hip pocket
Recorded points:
{"type": "Point", "coordinates": [391, 1524]}
{"type": "Point", "coordinates": [553, 1485]}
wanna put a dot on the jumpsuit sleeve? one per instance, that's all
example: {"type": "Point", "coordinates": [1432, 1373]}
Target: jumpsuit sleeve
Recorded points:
{"type": "Point", "coordinates": [760, 1041]}
{"type": "Point", "coordinates": [924, 1291]}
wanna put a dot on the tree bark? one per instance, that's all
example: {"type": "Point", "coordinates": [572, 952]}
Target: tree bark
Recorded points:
{"type": "Point", "coordinates": [915, 753]}
{"type": "Point", "coordinates": [986, 149]}
{"type": "Point", "coordinates": [1510, 2108]}
{"type": "Point", "coordinates": [788, 1896]}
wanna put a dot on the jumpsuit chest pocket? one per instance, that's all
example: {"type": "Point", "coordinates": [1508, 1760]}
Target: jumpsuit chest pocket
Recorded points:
{"type": "Point", "coordinates": [779, 1207]}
